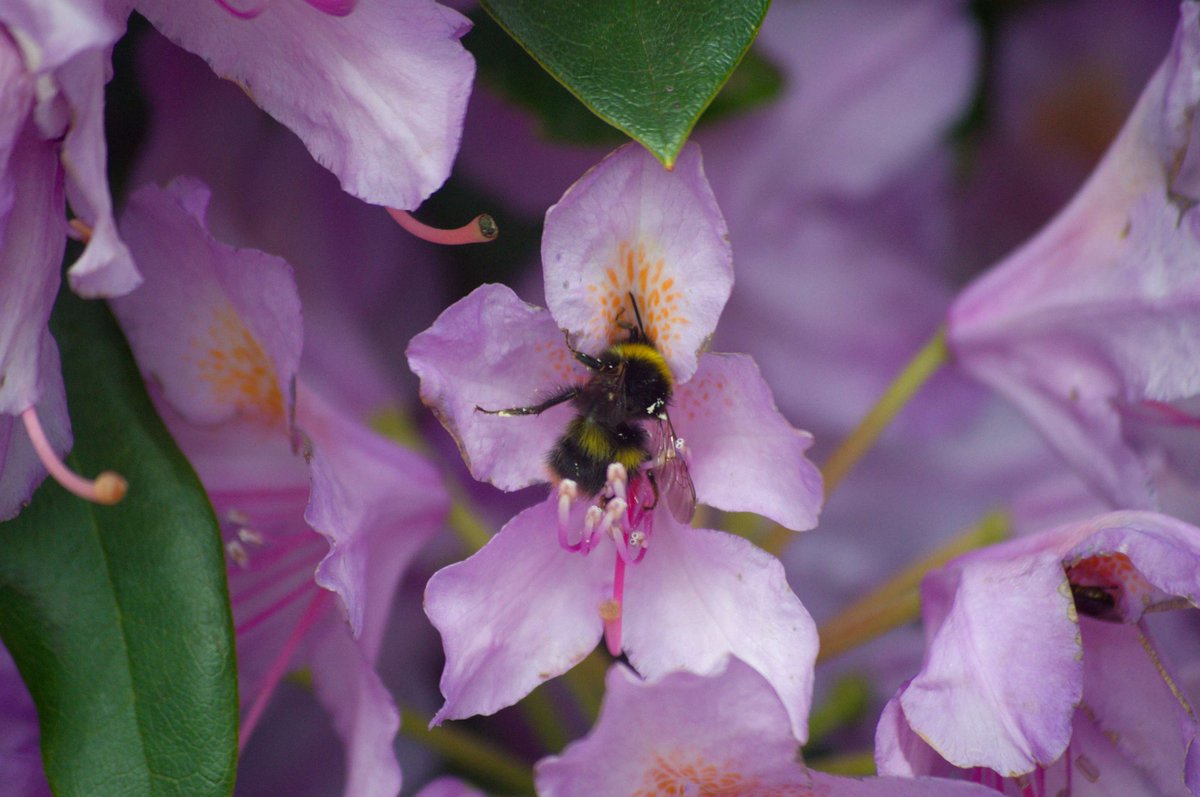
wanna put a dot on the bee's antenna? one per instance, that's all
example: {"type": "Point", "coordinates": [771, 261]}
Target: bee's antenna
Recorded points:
{"type": "Point", "coordinates": [637, 315]}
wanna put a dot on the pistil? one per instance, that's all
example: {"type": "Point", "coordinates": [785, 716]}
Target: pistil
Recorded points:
{"type": "Point", "coordinates": [479, 230]}
{"type": "Point", "coordinates": [108, 488]}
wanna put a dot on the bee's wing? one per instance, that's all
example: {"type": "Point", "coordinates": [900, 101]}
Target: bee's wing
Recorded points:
{"type": "Point", "coordinates": [671, 473]}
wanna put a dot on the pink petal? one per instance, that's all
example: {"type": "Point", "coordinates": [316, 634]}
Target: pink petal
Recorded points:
{"type": "Point", "coordinates": [377, 96]}
{"type": "Point", "coordinates": [1002, 640]}
{"type": "Point", "coordinates": [731, 720]}
{"type": "Point", "coordinates": [363, 712]}
{"type": "Point", "coordinates": [847, 67]}
{"type": "Point", "coordinates": [744, 455]}
{"type": "Point", "coordinates": [492, 350]}
{"type": "Point", "coordinates": [629, 225]}
{"type": "Point", "coordinates": [449, 787]}
{"type": "Point", "coordinates": [519, 612]}
{"type": "Point", "coordinates": [375, 502]}
{"type": "Point", "coordinates": [700, 596]}
{"type": "Point", "coordinates": [20, 469]}
{"type": "Point", "coordinates": [31, 253]}
{"type": "Point", "coordinates": [218, 328]}
{"type": "Point", "coordinates": [105, 268]}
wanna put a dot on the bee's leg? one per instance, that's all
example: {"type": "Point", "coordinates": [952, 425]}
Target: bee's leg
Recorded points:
{"type": "Point", "coordinates": [564, 395]}
{"type": "Point", "coordinates": [587, 359]}
{"type": "Point", "coordinates": [653, 486]}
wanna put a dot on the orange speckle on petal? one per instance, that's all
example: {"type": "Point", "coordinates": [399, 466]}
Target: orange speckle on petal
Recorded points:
{"type": "Point", "coordinates": [237, 370]}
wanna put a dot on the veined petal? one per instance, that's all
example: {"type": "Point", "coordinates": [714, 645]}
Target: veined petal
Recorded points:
{"type": "Point", "coordinates": [362, 709]}
{"type": "Point", "coordinates": [105, 268]}
{"type": "Point", "coordinates": [492, 350]}
{"type": "Point", "coordinates": [377, 96]}
{"type": "Point", "coordinates": [727, 727]}
{"type": "Point", "coordinates": [31, 253]}
{"type": "Point", "coordinates": [631, 226]}
{"type": "Point", "coordinates": [20, 469]}
{"type": "Point", "coordinates": [700, 596]}
{"type": "Point", "coordinates": [218, 328]}
{"type": "Point", "coordinates": [519, 612]}
{"type": "Point", "coordinates": [375, 502]}
{"type": "Point", "coordinates": [1001, 677]}
{"type": "Point", "coordinates": [746, 456]}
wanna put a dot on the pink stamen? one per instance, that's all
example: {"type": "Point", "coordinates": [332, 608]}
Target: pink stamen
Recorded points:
{"type": "Point", "coordinates": [479, 230]}
{"type": "Point", "coordinates": [1162, 412]}
{"type": "Point", "coordinates": [108, 488]}
{"type": "Point", "coordinates": [248, 13]}
{"type": "Point", "coordinates": [279, 666]}
{"type": "Point", "coordinates": [567, 492]}
{"type": "Point", "coordinates": [335, 8]}
{"type": "Point", "coordinates": [612, 614]}
{"type": "Point", "coordinates": [270, 611]}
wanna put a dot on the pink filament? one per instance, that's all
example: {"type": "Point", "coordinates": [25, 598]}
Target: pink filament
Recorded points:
{"type": "Point", "coordinates": [108, 488]}
{"type": "Point", "coordinates": [479, 230]}
{"type": "Point", "coordinates": [612, 628]}
{"type": "Point", "coordinates": [1162, 412]}
{"type": "Point", "coordinates": [280, 665]}
{"type": "Point", "coordinates": [334, 8]}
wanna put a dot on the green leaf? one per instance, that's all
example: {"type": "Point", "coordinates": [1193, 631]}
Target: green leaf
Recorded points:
{"type": "Point", "coordinates": [647, 67]}
{"type": "Point", "coordinates": [118, 617]}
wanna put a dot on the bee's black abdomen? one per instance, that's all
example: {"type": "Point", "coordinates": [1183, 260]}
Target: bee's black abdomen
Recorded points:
{"type": "Point", "coordinates": [588, 447]}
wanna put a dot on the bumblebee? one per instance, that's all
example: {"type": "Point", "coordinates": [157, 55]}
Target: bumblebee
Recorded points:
{"type": "Point", "coordinates": [630, 384]}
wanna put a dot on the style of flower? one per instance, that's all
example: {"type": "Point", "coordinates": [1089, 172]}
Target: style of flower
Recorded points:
{"type": "Point", "coordinates": [53, 65]}
{"type": "Point", "coordinates": [725, 734]}
{"type": "Point", "coordinates": [1040, 676]}
{"type": "Point", "coordinates": [217, 334]}
{"type": "Point", "coordinates": [1094, 320]}
{"type": "Point", "coordinates": [531, 603]}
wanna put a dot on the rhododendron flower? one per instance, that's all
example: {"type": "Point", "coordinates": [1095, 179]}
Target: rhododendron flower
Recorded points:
{"type": "Point", "coordinates": [1096, 318]}
{"type": "Point", "coordinates": [377, 95]}
{"type": "Point", "coordinates": [725, 734]}
{"type": "Point", "coordinates": [217, 333]}
{"type": "Point", "coordinates": [54, 63]}
{"type": "Point", "coordinates": [532, 603]}
{"type": "Point", "coordinates": [1039, 669]}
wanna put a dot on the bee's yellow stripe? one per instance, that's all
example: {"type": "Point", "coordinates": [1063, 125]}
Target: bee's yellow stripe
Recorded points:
{"type": "Point", "coordinates": [646, 353]}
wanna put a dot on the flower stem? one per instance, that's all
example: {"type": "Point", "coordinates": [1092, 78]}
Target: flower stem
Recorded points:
{"type": "Point", "coordinates": [920, 368]}
{"type": "Point", "coordinates": [854, 765]}
{"type": "Point", "coordinates": [845, 704]}
{"type": "Point", "coordinates": [916, 373]}
{"type": "Point", "coordinates": [898, 600]}
{"type": "Point", "coordinates": [468, 752]}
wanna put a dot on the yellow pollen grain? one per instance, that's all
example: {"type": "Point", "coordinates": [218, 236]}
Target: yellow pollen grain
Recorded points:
{"type": "Point", "coordinates": [236, 368]}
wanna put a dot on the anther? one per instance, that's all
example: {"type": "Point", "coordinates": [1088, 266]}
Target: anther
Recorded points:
{"type": "Point", "coordinates": [250, 536]}
{"type": "Point", "coordinates": [617, 478]}
{"type": "Point", "coordinates": [108, 488]}
{"type": "Point", "coordinates": [237, 553]}
{"type": "Point", "coordinates": [78, 229]}
{"type": "Point", "coordinates": [480, 230]}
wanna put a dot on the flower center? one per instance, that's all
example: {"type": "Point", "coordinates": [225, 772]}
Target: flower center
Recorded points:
{"type": "Point", "coordinates": [237, 370]}
{"type": "Point", "coordinates": [658, 298]}
{"type": "Point", "coordinates": [679, 774]}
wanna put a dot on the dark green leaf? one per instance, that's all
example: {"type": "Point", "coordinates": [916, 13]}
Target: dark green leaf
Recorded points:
{"type": "Point", "coordinates": [118, 617]}
{"type": "Point", "coordinates": [647, 67]}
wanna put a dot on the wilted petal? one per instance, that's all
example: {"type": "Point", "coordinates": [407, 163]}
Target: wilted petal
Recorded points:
{"type": "Point", "coordinates": [1002, 673]}
{"type": "Point", "coordinates": [519, 612]}
{"type": "Point", "coordinates": [700, 596]}
{"type": "Point", "coordinates": [745, 457]}
{"type": "Point", "coordinates": [629, 225]}
{"type": "Point", "coordinates": [494, 351]}
{"type": "Point", "coordinates": [377, 96]}
{"type": "Point", "coordinates": [218, 328]}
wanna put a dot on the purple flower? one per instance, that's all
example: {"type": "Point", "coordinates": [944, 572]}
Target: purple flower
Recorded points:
{"type": "Point", "coordinates": [1095, 318]}
{"type": "Point", "coordinates": [217, 333]}
{"type": "Point", "coordinates": [529, 606]}
{"type": "Point", "coordinates": [377, 95]}
{"type": "Point", "coordinates": [725, 734]}
{"type": "Point", "coordinates": [54, 63]}
{"type": "Point", "coordinates": [1039, 664]}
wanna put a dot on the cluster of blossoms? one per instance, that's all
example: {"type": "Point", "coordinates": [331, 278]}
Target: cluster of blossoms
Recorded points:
{"type": "Point", "coordinates": [349, 392]}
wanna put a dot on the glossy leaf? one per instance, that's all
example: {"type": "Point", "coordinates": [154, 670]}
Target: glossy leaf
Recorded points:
{"type": "Point", "coordinates": [118, 617]}
{"type": "Point", "coordinates": [647, 67]}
